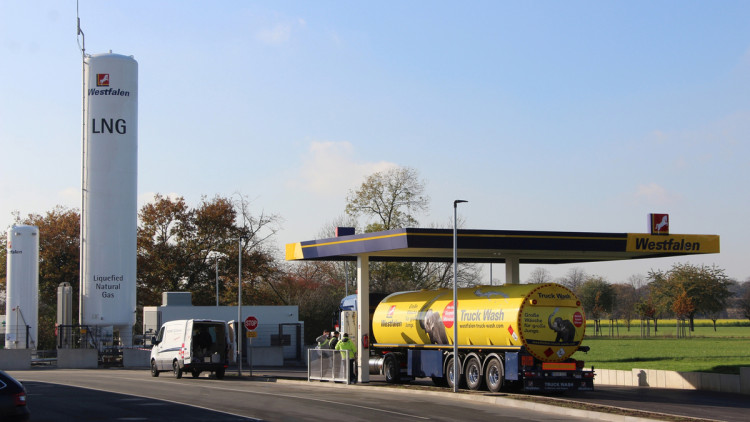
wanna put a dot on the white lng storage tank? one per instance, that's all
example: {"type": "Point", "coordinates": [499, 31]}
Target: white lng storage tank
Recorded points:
{"type": "Point", "coordinates": [22, 303]}
{"type": "Point", "coordinates": [109, 203]}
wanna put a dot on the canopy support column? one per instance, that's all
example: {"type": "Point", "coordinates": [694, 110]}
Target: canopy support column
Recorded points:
{"type": "Point", "coordinates": [512, 275]}
{"type": "Point", "coordinates": [363, 318]}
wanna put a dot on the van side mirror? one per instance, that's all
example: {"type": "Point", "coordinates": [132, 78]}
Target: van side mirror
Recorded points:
{"type": "Point", "coordinates": [154, 341]}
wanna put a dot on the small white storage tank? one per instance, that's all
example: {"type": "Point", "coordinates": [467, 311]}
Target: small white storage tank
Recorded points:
{"type": "Point", "coordinates": [109, 206]}
{"type": "Point", "coordinates": [22, 303]}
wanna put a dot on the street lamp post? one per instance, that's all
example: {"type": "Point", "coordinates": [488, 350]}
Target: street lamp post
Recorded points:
{"type": "Point", "coordinates": [239, 310]}
{"type": "Point", "coordinates": [217, 280]}
{"type": "Point", "coordinates": [456, 375]}
{"type": "Point", "coordinates": [216, 255]}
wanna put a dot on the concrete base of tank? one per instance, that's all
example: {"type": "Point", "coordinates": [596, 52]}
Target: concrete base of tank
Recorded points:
{"type": "Point", "coordinates": [135, 358]}
{"type": "Point", "coordinates": [77, 358]}
{"type": "Point", "coordinates": [14, 359]}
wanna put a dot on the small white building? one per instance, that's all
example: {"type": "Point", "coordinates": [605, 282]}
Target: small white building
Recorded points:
{"type": "Point", "coordinates": [280, 333]}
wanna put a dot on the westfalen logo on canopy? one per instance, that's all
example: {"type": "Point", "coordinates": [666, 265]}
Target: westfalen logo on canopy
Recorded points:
{"type": "Point", "coordinates": [685, 243]}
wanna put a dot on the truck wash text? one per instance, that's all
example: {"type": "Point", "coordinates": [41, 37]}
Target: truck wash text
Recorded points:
{"type": "Point", "coordinates": [485, 315]}
{"type": "Point", "coordinates": [646, 244]}
{"type": "Point", "coordinates": [560, 296]}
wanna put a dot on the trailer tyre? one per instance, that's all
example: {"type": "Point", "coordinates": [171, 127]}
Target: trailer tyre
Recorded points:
{"type": "Point", "coordinates": [494, 375]}
{"type": "Point", "coordinates": [473, 374]}
{"type": "Point", "coordinates": [391, 369]}
{"type": "Point", "coordinates": [154, 371]}
{"type": "Point", "coordinates": [195, 373]}
{"type": "Point", "coordinates": [220, 374]}
{"type": "Point", "coordinates": [176, 370]}
{"type": "Point", "coordinates": [449, 378]}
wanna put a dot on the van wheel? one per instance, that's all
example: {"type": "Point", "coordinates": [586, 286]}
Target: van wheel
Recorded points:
{"type": "Point", "coordinates": [154, 371]}
{"type": "Point", "coordinates": [494, 375]}
{"type": "Point", "coordinates": [220, 374]}
{"type": "Point", "coordinates": [473, 374]}
{"type": "Point", "coordinates": [195, 373]}
{"type": "Point", "coordinates": [177, 370]}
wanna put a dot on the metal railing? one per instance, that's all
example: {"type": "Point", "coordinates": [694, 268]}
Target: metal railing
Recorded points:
{"type": "Point", "coordinates": [75, 337]}
{"type": "Point", "coordinates": [328, 365]}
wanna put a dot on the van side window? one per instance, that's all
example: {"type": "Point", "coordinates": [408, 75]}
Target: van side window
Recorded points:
{"type": "Point", "coordinates": [160, 336]}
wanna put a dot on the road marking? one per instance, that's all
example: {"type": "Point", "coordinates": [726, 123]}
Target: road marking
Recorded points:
{"type": "Point", "coordinates": [250, 418]}
{"type": "Point", "coordinates": [325, 401]}
{"type": "Point", "coordinates": [241, 391]}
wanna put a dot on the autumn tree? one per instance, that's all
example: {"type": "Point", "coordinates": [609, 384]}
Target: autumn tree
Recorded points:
{"type": "Point", "coordinates": [626, 299]}
{"type": "Point", "coordinates": [706, 287]}
{"type": "Point", "coordinates": [745, 304]}
{"type": "Point", "coordinates": [315, 287]}
{"type": "Point", "coordinates": [178, 246]}
{"type": "Point", "coordinates": [59, 257]}
{"type": "Point", "coordinates": [597, 297]}
{"type": "Point", "coordinates": [682, 306]}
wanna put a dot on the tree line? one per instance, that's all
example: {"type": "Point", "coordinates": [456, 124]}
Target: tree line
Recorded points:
{"type": "Point", "coordinates": [683, 292]}
{"type": "Point", "coordinates": [180, 247]}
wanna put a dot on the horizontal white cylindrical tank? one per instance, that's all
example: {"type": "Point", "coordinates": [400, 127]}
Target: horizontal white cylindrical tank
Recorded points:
{"type": "Point", "coordinates": [109, 208]}
{"type": "Point", "coordinates": [22, 303]}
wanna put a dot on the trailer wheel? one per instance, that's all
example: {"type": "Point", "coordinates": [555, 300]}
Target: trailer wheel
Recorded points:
{"type": "Point", "coordinates": [195, 373]}
{"type": "Point", "coordinates": [220, 374]}
{"type": "Point", "coordinates": [473, 374]}
{"type": "Point", "coordinates": [391, 369]}
{"type": "Point", "coordinates": [176, 370]}
{"type": "Point", "coordinates": [449, 378]}
{"type": "Point", "coordinates": [154, 370]}
{"type": "Point", "coordinates": [494, 375]}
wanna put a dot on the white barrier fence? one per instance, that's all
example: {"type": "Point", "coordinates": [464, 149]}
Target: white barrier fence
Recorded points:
{"type": "Point", "coordinates": [328, 365]}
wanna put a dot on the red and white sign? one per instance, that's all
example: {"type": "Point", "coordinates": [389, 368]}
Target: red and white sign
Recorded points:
{"type": "Point", "coordinates": [577, 319]}
{"type": "Point", "coordinates": [251, 323]}
{"type": "Point", "coordinates": [448, 315]}
{"type": "Point", "coordinates": [102, 79]}
{"type": "Point", "coordinates": [659, 223]}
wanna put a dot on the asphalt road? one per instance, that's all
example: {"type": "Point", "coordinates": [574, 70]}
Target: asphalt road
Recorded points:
{"type": "Point", "coordinates": [688, 404]}
{"type": "Point", "coordinates": [129, 395]}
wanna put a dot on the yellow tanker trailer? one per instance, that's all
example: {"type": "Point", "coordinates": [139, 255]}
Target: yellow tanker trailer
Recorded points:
{"type": "Point", "coordinates": [510, 335]}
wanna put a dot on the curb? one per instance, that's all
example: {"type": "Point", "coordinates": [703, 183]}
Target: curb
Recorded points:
{"type": "Point", "coordinates": [491, 399]}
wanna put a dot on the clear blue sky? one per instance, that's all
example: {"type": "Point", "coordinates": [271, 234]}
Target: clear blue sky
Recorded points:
{"type": "Point", "coordinates": [569, 116]}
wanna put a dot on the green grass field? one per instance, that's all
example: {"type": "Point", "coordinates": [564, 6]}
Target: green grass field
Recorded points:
{"type": "Point", "coordinates": [705, 350]}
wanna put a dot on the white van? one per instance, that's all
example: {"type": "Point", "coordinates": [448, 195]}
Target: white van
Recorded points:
{"type": "Point", "coordinates": [192, 345]}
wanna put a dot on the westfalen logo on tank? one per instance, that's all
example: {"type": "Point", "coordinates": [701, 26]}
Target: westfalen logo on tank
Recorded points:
{"type": "Point", "coordinates": [11, 250]}
{"type": "Point", "coordinates": [103, 80]}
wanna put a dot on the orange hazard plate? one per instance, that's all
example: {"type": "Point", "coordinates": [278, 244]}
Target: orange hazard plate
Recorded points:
{"type": "Point", "coordinates": [559, 366]}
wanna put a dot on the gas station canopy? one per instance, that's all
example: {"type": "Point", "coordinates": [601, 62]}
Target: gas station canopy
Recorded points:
{"type": "Point", "coordinates": [491, 246]}
{"type": "Point", "coordinates": [499, 246]}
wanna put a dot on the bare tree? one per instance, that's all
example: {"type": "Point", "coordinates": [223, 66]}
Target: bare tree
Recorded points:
{"type": "Point", "coordinates": [539, 275]}
{"type": "Point", "coordinates": [392, 198]}
{"type": "Point", "coordinates": [574, 279]}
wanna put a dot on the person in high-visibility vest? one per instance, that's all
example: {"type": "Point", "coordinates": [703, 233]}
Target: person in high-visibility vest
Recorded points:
{"type": "Point", "coordinates": [347, 345]}
{"type": "Point", "coordinates": [322, 340]}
